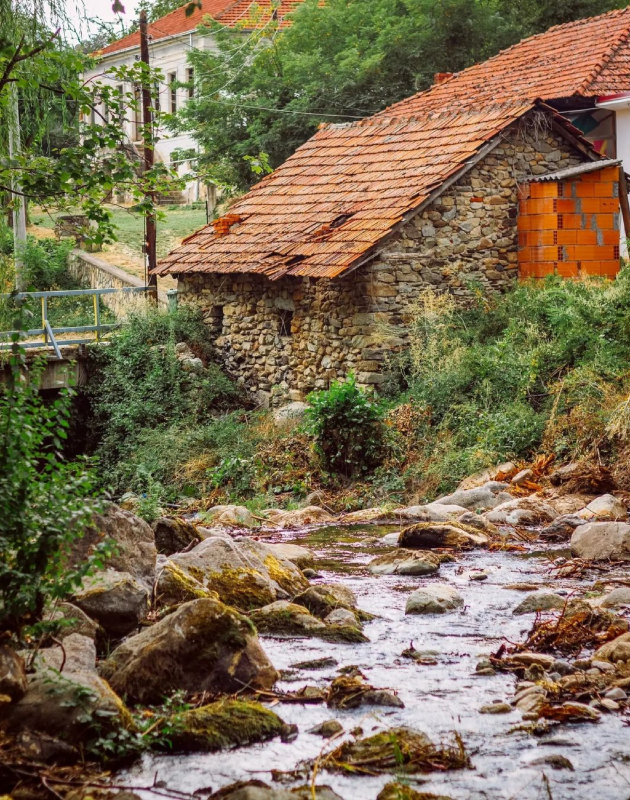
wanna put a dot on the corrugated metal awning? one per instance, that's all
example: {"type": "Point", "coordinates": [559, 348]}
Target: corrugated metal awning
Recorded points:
{"type": "Point", "coordinates": [573, 172]}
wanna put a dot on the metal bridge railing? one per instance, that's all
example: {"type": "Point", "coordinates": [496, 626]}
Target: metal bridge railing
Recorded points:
{"type": "Point", "coordinates": [49, 333]}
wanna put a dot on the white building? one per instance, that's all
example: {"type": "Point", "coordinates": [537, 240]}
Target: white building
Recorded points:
{"type": "Point", "coordinates": [170, 40]}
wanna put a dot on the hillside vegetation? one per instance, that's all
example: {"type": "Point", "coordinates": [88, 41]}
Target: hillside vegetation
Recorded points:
{"type": "Point", "coordinates": [544, 369]}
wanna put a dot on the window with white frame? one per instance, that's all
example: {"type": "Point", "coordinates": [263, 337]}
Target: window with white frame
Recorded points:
{"type": "Point", "coordinates": [172, 89]}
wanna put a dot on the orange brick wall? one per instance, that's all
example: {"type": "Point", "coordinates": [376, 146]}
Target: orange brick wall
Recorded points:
{"type": "Point", "coordinates": [570, 228]}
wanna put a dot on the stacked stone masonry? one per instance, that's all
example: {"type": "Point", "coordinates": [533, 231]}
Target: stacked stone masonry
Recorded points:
{"type": "Point", "coordinates": [282, 339]}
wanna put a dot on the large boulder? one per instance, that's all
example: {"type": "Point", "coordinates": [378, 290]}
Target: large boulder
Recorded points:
{"type": "Point", "coordinates": [437, 598]}
{"type": "Point", "coordinates": [232, 516]}
{"type": "Point", "coordinates": [605, 507]}
{"type": "Point", "coordinates": [431, 512]}
{"type": "Point", "coordinates": [246, 574]}
{"type": "Point", "coordinates": [134, 542]}
{"type": "Point", "coordinates": [324, 598]}
{"type": "Point", "coordinates": [12, 675]}
{"type": "Point", "coordinates": [226, 723]}
{"type": "Point", "coordinates": [203, 646]}
{"type": "Point", "coordinates": [71, 619]}
{"type": "Point", "coordinates": [484, 498]}
{"type": "Point", "coordinates": [617, 650]}
{"type": "Point", "coordinates": [71, 707]}
{"type": "Point", "coordinates": [428, 535]}
{"type": "Point", "coordinates": [174, 586]}
{"type": "Point", "coordinates": [78, 654]}
{"type": "Point", "coordinates": [617, 598]}
{"type": "Point", "coordinates": [531, 510]}
{"type": "Point", "coordinates": [600, 541]}
{"type": "Point", "coordinates": [300, 556]}
{"type": "Point", "coordinates": [540, 601]}
{"type": "Point", "coordinates": [116, 600]}
{"type": "Point", "coordinates": [405, 562]}
{"type": "Point", "coordinates": [173, 534]}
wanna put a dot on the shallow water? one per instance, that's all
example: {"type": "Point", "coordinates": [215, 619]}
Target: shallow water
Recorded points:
{"type": "Point", "coordinates": [438, 699]}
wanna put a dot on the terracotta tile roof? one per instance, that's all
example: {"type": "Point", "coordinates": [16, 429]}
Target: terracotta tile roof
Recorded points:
{"type": "Point", "coordinates": [233, 13]}
{"type": "Point", "coordinates": [329, 205]}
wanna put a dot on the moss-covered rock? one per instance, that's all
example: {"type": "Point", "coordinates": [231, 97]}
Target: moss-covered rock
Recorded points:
{"type": "Point", "coordinates": [257, 790]}
{"type": "Point", "coordinates": [289, 619]}
{"type": "Point", "coordinates": [226, 723]}
{"type": "Point", "coordinates": [116, 600]}
{"type": "Point", "coordinates": [202, 646]}
{"type": "Point", "coordinates": [398, 791]}
{"type": "Point", "coordinates": [174, 586]}
{"type": "Point", "coordinates": [427, 535]}
{"type": "Point", "coordinates": [173, 534]}
{"type": "Point", "coordinates": [324, 598]}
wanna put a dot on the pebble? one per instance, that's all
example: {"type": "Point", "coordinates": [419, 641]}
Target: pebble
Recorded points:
{"type": "Point", "coordinates": [616, 694]}
{"type": "Point", "coordinates": [554, 760]}
{"type": "Point", "coordinates": [496, 708]}
{"type": "Point", "coordinates": [478, 576]}
{"type": "Point", "coordinates": [611, 705]}
{"type": "Point", "coordinates": [327, 728]}
{"type": "Point", "coordinates": [603, 666]}
{"type": "Point", "coordinates": [582, 663]}
{"type": "Point", "coordinates": [311, 573]}
{"type": "Point", "coordinates": [563, 667]}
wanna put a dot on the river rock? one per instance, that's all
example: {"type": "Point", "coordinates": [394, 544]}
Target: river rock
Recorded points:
{"type": "Point", "coordinates": [605, 507]}
{"type": "Point", "coordinates": [617, 650]}
{"type": "Point", "coordinates": [203, 646]}
{"type": "Point", "coordinates": [487, 475]}
{"type": "Point", "coordinates": [324, 598]}
{"type": "Point", "coordinates": [405, 562]}
{"type": "Point", "coordinates": [540, 601]}
{"type": "Point", "coordinates": [431, 512]}
{"type": "Point", "coordinates": [437, 598]}
{"type": "Point", "coordinates": [341, 616]}
{"type": "Point", "coordinates": [561, 529]}
{"type": "Point", "coordinates": [226, 723]}
{"type": "Point", "coordinates": [173, 534]}
{"type": "Point", "coordinates": [543, 660]}
{"type": "Point", "coordinates": [531, 510]}
{"type": "Point", "coordinates": [12, 675]}
{"type": "Point", "coordinates": [133, 538]}
{"type": "Point", "coordinates": [287, 619]}
{"type": "Point", "coordinates": [66, 706]}
{"type": "Point", "coordinates": [78, 655]}
{"type": "Point", "coordinates": [522, 477]}
{"type": "Point", "coordinates": [300, 556]}
{"type": "Point", "coordinates": [232, 516]}
{"type": "Point", "coordinates": [484, 498]}
{"type": "Point", "coordinates": [257, 790]}
{"type": "Point", "coordinates": [599, 541]}
{"type": "Point", "coordinates": [311, 515]}
{"type": "Point", "coordinates": [427, 535]}
{"type": "Point", "coordinates": [617, 598]}
{"type": "Point", "coordinates": [326, 729]}
{"type": "Point", "coordinates": [72, 619]}
{"type": "Point", "coordinates": [478, 521]}
{"type": "Point", "coordinates": [174, 586]}
{"type": "Point", "coordinates": [368, 515]}
{"type": "Point", "coordinates": [244, 574]}
{"type": "Point", "coordinates": [115, 600]}
{"type": "Point", "coordinates": [496, 708]}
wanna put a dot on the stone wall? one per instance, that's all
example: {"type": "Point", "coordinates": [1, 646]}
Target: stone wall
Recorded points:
{"type": "Point", "coordinates": [464, 242]}
{"type": "Point", "coordinates": [94, 273]}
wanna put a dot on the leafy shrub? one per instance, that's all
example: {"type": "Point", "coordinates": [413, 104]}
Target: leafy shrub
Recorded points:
{"type": "Point", "coordinates": [347, 426]}
{"type": "Point", "coordinates": [543, 366]}
{"type": "Point", "coordinates": [46, 503]}
{"type": "Point", "coordinates": [46, 264]}
{"type": "Point", "coordinates": [143, 400]}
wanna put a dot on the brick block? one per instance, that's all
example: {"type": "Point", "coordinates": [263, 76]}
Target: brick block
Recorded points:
{"type": "Point", "coordinates": [608, 174]}
{"type": "Point", "coordinates": [591, 176]}
{"type": "Point", "coordinates": [571, 221]}
{"type": "Point", "coordinates": [540, 205]}
{"type": "Point", "coordinates": [603, 189]}
{"type": "Point", "coordinates": [584, 189]}
{"type": "Point", "coordinates": [592, 205]}
{"type": "Point", "coordinates": [605, 222]}
{"type": "Point", "coordinates": [570, 252]}
{"type": "Point", "coordinates": [544, 222]}
{"type": "Point", "coordinates": [526, 270]}
{"type": "Point", "coordinates": [609, 269]}
{"type": "Point", "coordinates": [586, 237]}
{"type": "Point", "coordinates": [585, 252]}
{"type": "Point", "coordinates": [543, 254]}
{"type": "Point", "coordinates": [543, 189]}
{"type": "Point", "coordinates": [523, 222]}
{"type": "Point", "coordinates": [589, 268]}
{"type": "Point", "coordinates": [609, 205]}
{"type": "Point", "coordinates": [524, 255]}
{"type": "Point", "coordinates": [610, 237]}
{"type": "Point", "coordinates": [567, 269]}
{"type": "Point", "coordinates": [565, 206]}
{"type": "Point", "coordinates": [567, 237]}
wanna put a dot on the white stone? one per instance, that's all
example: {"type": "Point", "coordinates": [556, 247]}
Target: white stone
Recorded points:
{"type": "Point", "coordinates": [602, 541]}
{"type": "Point", "coordinates": [606, 507]}
{"type": "Point", "coordinates": [436, 598]}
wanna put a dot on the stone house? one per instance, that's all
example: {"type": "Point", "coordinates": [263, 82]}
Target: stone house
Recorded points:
{"type": "Point", "coordinates": [171, 38]}
{"type": "Point", "coordinates": [316, 270]}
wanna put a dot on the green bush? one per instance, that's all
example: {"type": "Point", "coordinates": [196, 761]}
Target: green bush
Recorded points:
{"type": "Point", "coordinates": [46, 503]}
{"type": "Point", "coordinates": [346, 424]}
{"type": "Point", "coordinates": [541, 367]}
{"type": "Point", "coordinates": [143, 400]}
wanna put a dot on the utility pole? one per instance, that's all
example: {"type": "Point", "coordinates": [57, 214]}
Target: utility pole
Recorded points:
{"type": "Point", "coordinates": [147, 127]}
{"type": "Point", "coordinates": [19, 205]}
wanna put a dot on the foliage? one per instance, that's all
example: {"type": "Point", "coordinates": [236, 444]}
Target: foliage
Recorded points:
{"type": "Point", "coordinates": [46, 503]}
{"type": "Point", "coordinates": [141, 390]}
{"type": "Point", "coordinates": [346, 424]}
{"type": "Point", "coordinates": [544, 366]}
{"type": "Point", "coordinates": [339, 61]}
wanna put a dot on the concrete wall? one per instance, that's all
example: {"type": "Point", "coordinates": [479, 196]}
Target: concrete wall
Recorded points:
{"type": "Point", "coordinates": [93, 273]}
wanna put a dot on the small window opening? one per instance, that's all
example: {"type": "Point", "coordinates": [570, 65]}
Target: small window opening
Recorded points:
{"type": "Point", "coordinates": [191, 82]}
{"type": "Point", "coordinates": [172, 80]}
{"type": "Point", "coordinates": [217, 317]}
{"type": "Point", "coordinates": [286, 318]}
